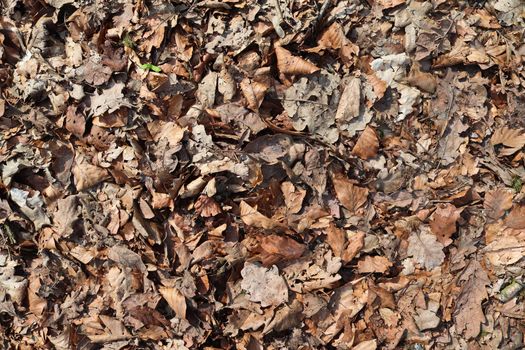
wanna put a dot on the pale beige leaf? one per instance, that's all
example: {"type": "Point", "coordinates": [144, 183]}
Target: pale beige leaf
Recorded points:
{"type": "Point", "coordinates": [293, 197]}
{"type": "Point", "coordinates": [87, 175]}
{"type": "Point", "coordinates": [250, 216]}
{"type": "Point", "coordinates": [425, 249]}
{"type": "Point", "coordinates": [264, 286]}
{"type": "Point", "coordinates": [373, 264]}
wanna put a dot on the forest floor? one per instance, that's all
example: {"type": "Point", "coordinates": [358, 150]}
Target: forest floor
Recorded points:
{"type": "Point", "coordinates": [281, 174]}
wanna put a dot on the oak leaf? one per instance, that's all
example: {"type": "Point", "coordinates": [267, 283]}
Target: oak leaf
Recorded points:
{"type": "Point", "coordinates": [516, 218]}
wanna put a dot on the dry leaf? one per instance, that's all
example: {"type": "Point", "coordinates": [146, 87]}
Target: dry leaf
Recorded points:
{"type": "Point", "coordinates": [277, 248]}
{"type": "Point", "coordinates": [87, 175]}
{"type": "Point", "coordinates": [289, 64]}
{"type": "Point", "coordinates": [292, 197]}
{"type": "Point", "coordinates": [512, 139]}
{"type": "Point", "coordinates": [352, 197]}
{"type": "Point", "coordinates": [175, 300]}
{"type": "Point", "coordinates": [367, 145]}
{"type": "Point", "coordinates": [425, 249]}
{"type": "Point", "coordinates": [443, 222]}
{"type": "Point", "coordinates": [253, 92]}
{"type": "Point", "coordinates": [250, 216]}
{"type": "Point", "coordinates": [372, 264]}
{"type": "Point", "coordinates": [516, 218]}
{"type": "Point", "coordinates": [263, 285]}
{"type": "Point", "coordinates": [497, 202]}
{"type": "Point", "coordinates": [468, 313]}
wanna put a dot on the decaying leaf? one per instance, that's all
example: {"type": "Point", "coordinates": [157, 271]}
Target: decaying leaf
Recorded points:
{"type": "Point", "coordinates": [424, 248]}
{"type": "Point", "coordinates": [254, 277]}
{"type": "Point", "coordinates": [468, 312]}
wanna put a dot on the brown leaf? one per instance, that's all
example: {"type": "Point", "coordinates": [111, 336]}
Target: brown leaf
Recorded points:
{"type": "Point", "coordinates": [356, 242]}
{"type": "Point", "coordinates": [277, 248]}
{"type": "Point", "coordinates": [87, 175]}
{"type": "Point", "coordinates": [250, 216]}
{"type": "Point", "coordinates": [468, 313]}
{"type": "Point", "coordinates": [253, 92]}
{"type": "Point", "coordinates": [289, 64]}
{"type": "Point", "coordinates": [497, 202]}
{"type": "Point", "coordinates": [443, 222]}
{"type": "Point", "coordinates": [75, 122]}
{"type": "Point", "coordinates": [422, 80]}
{"type": "Point", "coordinates": [513, 139]}
{"type": "Point", "coordinates": [175, 300]}
{"type": "Point", "coordinates": [516, 218]}
{"type": "Point", "coordinates": [373, 264]}
{"type": "Point", "coordinates": [367, 145]}
{"type": "Point", "coordinates": [352, 197]}
{"type": "Point", "coordinates": [336, 239]}
{"type": "Point", "coordinates": [292, 197]}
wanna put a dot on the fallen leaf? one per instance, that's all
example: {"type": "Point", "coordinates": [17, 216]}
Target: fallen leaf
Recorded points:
{"type": "Point", "coordinates": [373, 264]}
{"type": "Point", "coordinates": [289, 64]}
{"type": "Point", "coordinates": [424, 248]}
{"type": "Point", "coordinates": [367, 145]}
{"type": "Point", "coordinates": [516, 218]}
{"type": "Point", "coordinates": [250, 216]}
{"type": "Point", "coordinates": [443, 222]}
{"type": "Point", "coordinates": [496, 202]}
{"type": "Point", "coordinates": [512, 139]}
{"type": "Point", "coordinates": [274, 292]}
{"type": "Point", "coordinates": [87, 175]}
{"type": "Point", "coordinates": [352, 197]}
{"type": "Point", "coordinates": [468, 312]}
{"type": "Point", "coordinates": [175, 300]}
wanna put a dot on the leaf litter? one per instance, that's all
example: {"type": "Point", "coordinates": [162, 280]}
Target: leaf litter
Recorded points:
{"type": "Point", "coordinates": [262, 174]}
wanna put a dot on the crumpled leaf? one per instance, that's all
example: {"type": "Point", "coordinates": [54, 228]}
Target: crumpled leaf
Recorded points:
{"type": "Point", "coordinates": [309, 105]}
{"type": "Point", "coordinates": [109, 100]}
{"type": "Point", "coordinates": [254, 277]}
{"type": "Point", "coordinates": [392, 70]}
{"type": "Point", "coordinates": [10, 284]}
{"type": "Point", "coordinates": [31, 205]}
